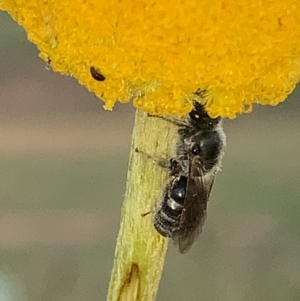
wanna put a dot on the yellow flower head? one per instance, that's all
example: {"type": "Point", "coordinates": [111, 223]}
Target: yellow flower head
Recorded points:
{"type": "Point", "coordinates": [158, 53]}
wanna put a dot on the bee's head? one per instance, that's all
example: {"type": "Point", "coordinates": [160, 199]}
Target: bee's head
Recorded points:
{"type": "Point", "coordinates": [200, 119]}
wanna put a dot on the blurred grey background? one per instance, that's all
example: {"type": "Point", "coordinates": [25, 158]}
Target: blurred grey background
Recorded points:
{"type": "Point", "coordinates": [63, 164]}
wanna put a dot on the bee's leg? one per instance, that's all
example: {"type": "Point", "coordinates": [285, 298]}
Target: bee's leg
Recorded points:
{"type": "Point", "coordinates": [164, 163]}
{"type": "Point", "coordinates": [175, 167]}
{"type": "Point", "coordinates": [172, 120]}
{"type": "Point", "coordinates": [145, 214]}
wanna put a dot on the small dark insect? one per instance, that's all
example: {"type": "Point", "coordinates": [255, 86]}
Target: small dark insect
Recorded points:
{"type": "Point", "coordinates": [97, 75]}
{"type": "Point", "coordinates": [192, 172]}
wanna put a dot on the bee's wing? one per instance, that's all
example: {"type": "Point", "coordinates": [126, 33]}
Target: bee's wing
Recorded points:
{"type": "Point", "coordinates": [194, 209]}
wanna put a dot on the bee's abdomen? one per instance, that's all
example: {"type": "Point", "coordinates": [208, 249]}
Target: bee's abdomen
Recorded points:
{"type": "Point", "coordinates": [167, 218]}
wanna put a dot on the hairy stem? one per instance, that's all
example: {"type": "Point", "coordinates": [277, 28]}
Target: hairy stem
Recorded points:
{"type": "Point", "coordinates": [140, 250]}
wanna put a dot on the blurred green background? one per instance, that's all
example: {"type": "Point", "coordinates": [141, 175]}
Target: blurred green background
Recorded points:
{"type": "Point", "coordinates": [63, 164]}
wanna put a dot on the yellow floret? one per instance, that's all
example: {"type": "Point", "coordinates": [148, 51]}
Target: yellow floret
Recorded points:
{"type": "Point", "coordinates": [158, 53]}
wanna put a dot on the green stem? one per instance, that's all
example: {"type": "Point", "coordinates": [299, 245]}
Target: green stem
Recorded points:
{"type": "Point", "coordinates": [140, 250]}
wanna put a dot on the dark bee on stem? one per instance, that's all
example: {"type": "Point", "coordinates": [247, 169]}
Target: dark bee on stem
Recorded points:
{"type": "Point", "coordinates": [193, 169]}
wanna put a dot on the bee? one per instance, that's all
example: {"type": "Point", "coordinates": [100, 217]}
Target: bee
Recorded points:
{"type": "Point", "coordinates": [192, 169]}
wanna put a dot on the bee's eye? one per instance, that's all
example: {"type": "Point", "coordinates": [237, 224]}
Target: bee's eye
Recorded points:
{"type": "Point", "coordinates": [195, 149]}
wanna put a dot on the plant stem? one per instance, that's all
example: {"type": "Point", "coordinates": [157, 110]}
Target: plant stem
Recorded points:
{"type": "Point", "coordinates": [140, 250]}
